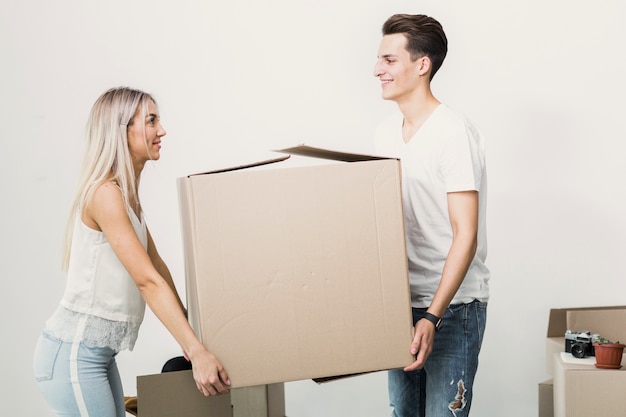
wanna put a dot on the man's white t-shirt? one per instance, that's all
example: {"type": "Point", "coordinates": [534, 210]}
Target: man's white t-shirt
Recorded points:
{"type": "Point", "coordinates": [446, 155]}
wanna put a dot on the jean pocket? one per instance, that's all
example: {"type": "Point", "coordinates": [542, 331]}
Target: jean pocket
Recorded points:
{"type": "Point", "coordinates": [46, 353]}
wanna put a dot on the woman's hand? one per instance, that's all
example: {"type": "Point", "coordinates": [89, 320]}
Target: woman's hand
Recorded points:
{"type": "Point", "coordinates": [209, 373]}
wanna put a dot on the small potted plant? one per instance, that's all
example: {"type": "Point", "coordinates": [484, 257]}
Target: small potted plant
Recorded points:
{"type": "Point", "coordinates": [608, 353]}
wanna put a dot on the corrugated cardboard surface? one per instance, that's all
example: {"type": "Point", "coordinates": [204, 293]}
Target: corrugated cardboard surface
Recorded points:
{"type": "Point", "coordinates": [608, 321]}
{"type": "Point", "coordinates": [259, 401]}
{"type": "Point", "coordinates": [585, 391]}
{"type": "Point", "coordinates": [553, 345]}
{"type": "Point", "coordinates": [174, 394]}
{"type": "Point", "coordinates": [546, 399]}
{"type": "Point", "coordinates": [298, 273]}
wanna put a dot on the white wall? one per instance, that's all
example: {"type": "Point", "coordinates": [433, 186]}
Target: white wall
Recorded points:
{"type": "Point", "coordinates": [543, 80]}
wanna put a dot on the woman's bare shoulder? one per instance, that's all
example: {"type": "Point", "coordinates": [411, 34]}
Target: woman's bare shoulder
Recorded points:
{"type": "Point", "coordinates": [106, 204]}
{"type": "Point", "coordinates": [108, 193]}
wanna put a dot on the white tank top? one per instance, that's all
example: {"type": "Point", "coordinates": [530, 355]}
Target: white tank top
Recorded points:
{"type": "Point", "coordinates": [101, 306]}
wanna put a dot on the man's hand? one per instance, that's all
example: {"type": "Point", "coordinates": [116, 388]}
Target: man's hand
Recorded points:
{"type": "Point", "coordinates": [422, 344]}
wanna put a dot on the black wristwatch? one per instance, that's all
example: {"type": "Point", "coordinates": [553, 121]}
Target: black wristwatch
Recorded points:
{"type": "Point", "coordinates": [437, 321]}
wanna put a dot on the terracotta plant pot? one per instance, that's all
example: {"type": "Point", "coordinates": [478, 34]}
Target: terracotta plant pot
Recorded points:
{"type": "Point", "coordinates": [608, 355]}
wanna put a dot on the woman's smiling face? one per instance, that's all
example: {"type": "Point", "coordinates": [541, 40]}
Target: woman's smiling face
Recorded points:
{"type": "Point", "coordinates": [144, 136]}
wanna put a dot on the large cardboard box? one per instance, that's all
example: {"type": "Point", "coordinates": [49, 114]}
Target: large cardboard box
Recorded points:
{"type": "Point", "coordinates": [582, 390]}
{"type": "Point", "coordinates": [608, 321]}
{"type": "Point", "coordinates": [298, 272]}
{"type": "Point", "coordinates": [174, 394]}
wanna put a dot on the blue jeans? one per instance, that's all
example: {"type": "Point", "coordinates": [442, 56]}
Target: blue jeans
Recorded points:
{"type": "Point", "coordinates": [444, 386]}
{"type": "Point", "coordinates": [78, 381]}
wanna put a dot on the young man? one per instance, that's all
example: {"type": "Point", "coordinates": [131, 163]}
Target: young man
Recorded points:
{"type": "Point", "coordinates": [444, 194]}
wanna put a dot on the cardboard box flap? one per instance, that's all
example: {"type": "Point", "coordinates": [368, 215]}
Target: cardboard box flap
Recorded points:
{"type": "Point", "coordinates": [244, 166]}
{"type": "Point", "coordinates": [312, 152]}
{"type": "Point", "coordinates": [607, 321]}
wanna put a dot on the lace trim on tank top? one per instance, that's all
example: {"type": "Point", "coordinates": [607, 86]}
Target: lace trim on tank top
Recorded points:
{"type": "Point", "coordinates": [99, 332]}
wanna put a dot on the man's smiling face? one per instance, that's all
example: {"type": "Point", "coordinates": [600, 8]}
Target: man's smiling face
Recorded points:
{"type": "Point", "coordinates": [398, 74]}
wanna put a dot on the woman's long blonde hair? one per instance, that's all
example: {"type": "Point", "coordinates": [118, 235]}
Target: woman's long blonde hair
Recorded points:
{"type": "Point", "coordinates": [107, 156]}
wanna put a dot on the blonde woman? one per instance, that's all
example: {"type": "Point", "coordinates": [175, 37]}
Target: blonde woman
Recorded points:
{"type": "Point", "coordinates": [113, 269]}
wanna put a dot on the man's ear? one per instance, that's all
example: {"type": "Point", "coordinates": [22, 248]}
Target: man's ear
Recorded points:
{"type": "Point", "coordinates": [423, 65]}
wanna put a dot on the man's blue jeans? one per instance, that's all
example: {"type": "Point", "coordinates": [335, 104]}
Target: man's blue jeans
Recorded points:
{"type": "Point", "coordinates": [444, 386]}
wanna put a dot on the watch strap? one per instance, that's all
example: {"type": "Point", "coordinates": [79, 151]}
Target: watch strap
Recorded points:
{"type": "Point", "coordinates": [437, 321]}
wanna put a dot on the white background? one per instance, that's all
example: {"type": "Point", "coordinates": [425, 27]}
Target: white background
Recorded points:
{"type": "Point", "coordinates": [544, 80]}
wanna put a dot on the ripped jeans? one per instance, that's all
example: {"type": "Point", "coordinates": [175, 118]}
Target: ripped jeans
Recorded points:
{"type": "Point", "coordinates": [443, 388]}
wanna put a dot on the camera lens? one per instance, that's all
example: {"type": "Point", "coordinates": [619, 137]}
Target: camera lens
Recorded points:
{"type": "Point", "coordinates": [578, 351]}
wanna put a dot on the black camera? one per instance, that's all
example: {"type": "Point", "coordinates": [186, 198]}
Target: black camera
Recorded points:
{"type": "Point", "coordinates": [580, 344]}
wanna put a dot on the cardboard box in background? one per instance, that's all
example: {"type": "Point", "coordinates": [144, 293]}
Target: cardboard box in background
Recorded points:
{"type": "Point", "coordinates": [579, 388]}
{"type": "Point", "coordinates": [259, 401]}
{"type": "Point", "coordinates": [585, 391]}
{"type": "Point", "coordinates": [298, 272]}
{"type": "Point", "coordinates": [174, 394]}
{"type": "Point", "coordinates": [609, 322]}
{"type": "Point", "coordinates": [546, 401]}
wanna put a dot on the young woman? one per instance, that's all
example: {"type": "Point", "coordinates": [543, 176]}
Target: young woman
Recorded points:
{"type": "Point", "coordinates": [114, 269]}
